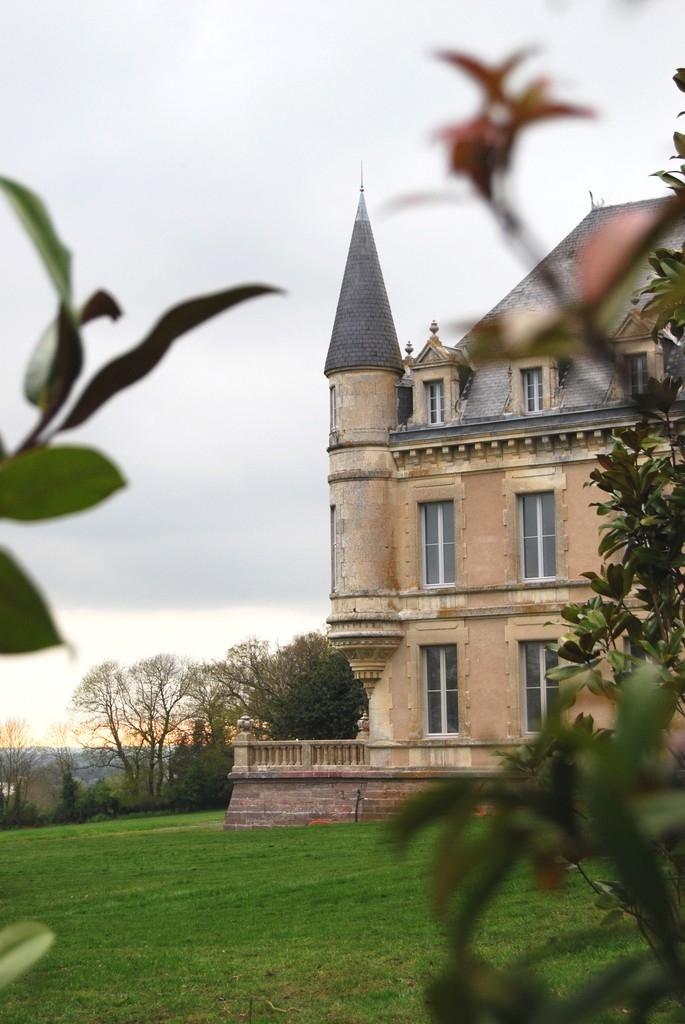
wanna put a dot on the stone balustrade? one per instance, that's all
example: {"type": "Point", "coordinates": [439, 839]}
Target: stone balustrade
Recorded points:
{"type": "Point", "coordinates": [282, 755]}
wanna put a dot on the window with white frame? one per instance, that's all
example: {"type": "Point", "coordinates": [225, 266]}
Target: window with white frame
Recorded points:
{"type": "Point", "coordinates": [435, 401]}
{"type": "Point", "coordinates": [538, 536]}
{"type": "Point", "coordinates": [531, 381]}
{"type": "Point", "coordinates": [637, 373]}
{"type": "Point", "coordinates": [440, 676]}
{"type": "Point", "coordinates": [539, 691]}
{"type": "Point", "coordinates": [437, 527]}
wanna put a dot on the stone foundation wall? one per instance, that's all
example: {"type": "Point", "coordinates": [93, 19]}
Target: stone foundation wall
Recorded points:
{"type": "Point", "coordinates": [278, 799]}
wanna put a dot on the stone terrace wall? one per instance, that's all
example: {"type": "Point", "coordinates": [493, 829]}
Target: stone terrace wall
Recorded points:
{"type": "Point", "coordinates": [273, 799]}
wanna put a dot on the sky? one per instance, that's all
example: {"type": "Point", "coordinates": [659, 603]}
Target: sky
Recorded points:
{"type": "Point", "coordinates": [184, 148]}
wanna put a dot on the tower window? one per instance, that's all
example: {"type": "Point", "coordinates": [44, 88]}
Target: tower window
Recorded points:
{"type": "Point", "coordinates": [334, 549]}
{"type": "Point", "coordinates": [332, 409]}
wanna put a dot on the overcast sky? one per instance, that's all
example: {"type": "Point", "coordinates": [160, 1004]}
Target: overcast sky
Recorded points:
{"type": "Point", "coordinates": [185, 147]}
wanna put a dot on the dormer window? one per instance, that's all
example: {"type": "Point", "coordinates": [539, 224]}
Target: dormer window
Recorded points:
{"type": "Point", "coordinates": [637, 374]}
{"type": "Point", "coordinates": [531, 381]}
{"type": "Point", "coordinates": [435, 401]}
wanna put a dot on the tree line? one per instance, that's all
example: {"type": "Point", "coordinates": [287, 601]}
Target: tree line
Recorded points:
{"type": "Point", "coordinates": [159, 734]}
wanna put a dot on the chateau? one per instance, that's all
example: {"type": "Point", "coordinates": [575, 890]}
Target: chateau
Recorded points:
{"type": "Point", "coordinates": [460, 526]}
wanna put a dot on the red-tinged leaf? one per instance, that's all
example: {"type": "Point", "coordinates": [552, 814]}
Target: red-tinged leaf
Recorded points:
{"type": "Point", "coordinates": [132, 366]}
{"type": "Point", "coordinates": [616, 248]}
{"type": "Point", "coordinates": [549, 871]}
{"type": "Point", "coordinates": [478, 150]}
{"type": "Point", "coordinates": [25, 620]}
{"type": "Point", "coordinates": [491, 78]}
{"type": "Point", "coordinates": [48, 482]}
{"type": "Point", "coordinates": [546, 110]}
{"type": "Point", "coordinates": [101, 303]}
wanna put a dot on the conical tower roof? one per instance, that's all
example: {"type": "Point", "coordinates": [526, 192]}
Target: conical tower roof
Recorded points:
{"type": "Point", "coordinates": [363, 332]}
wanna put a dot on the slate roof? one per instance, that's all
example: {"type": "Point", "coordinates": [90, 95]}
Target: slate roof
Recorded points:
{"type": "Point", "coordinates": [587, 383]}
{"type": "Point", "coordinates": [363, 331]}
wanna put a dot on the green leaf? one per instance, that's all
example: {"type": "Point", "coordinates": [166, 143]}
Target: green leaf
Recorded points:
{"type": "Point", "coordinates": [132, 366]}
{"type": "Point", "coordinates": [679, 79]}
{"type": "Point", "coordinates": [455, 799]}
{"type": "Point", "coordinates": [47, 482]}
{"type": "Point", "coordinates": [57, 360]}
{"type": "Point", "coordinates": [679, 143]}
{"type": "Point", "coordinates": [25, 620]}
{"type": "Point", "coordinates": [21, 945]}
{"type": "Point", "coordinates": [630, 850]}
{"type": "Point", "coordinates": [55, 364]}
{"type": "Point", "coordinates": [34, 216]}
{"type": "Point", "coordinates": [630, 978]}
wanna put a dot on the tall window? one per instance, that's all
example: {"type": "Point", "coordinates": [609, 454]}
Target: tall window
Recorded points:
{"type": "Point", "coordinates": [440, 675]}
{"type": "Point", "coordinates": [334, 550]}
{"type": "Point", "coordinates": [435, 400]}
{"type": "Point", "coordinates": [538, 540]}
{"type": "Point", "coordinates": [637, 373]}
{"type": "Point", "coordinates": [437, 523]}
{"type": "Point", "coordinates": [532, 389]}
{"type": "Point", "coordinates": [540, 692]}
{"type": "Point", "coordinates": [332, 409]}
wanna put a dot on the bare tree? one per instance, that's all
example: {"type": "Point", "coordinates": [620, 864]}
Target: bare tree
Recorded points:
{"type": "Point", "coordinates": [254, 673]}
{"type": "Point", "coordinates": [159, 702]}
{"type": "Point", "coordinates": [131, 715]}
{"type": "Point", "coordinates": [19, 759]}
{"type": "Point", "coordinates": [62, 744]}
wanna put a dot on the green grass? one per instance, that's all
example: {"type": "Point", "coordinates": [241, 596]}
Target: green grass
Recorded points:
{"type": "Point", "coordinates": [173, 920]}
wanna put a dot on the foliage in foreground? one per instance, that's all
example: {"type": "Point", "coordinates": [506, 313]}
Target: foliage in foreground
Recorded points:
{"type": "Point", "coordinates": [39, 480]}
{"type": "Point", "coordinates": [577, 792]}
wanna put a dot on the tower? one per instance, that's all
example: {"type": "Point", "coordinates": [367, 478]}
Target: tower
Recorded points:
{"type": "Point", "coordinates": [363, 366]}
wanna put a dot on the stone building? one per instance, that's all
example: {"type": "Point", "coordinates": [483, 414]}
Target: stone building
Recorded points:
{"type": "Point", "coordinates": [460, 526]}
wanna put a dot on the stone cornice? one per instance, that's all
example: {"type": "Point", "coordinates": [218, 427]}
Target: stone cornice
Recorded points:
{"type": "Point", "coordinates": [482, 448]}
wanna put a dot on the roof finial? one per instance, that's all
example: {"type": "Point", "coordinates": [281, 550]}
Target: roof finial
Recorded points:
{"type": "Point", "coordinates": [361, 187]}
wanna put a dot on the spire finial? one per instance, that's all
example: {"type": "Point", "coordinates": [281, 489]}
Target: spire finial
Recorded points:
{"type": "Point", "coordinates": [361, 165]}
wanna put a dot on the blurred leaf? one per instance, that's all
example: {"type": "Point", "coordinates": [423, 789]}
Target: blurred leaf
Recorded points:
{"type": "Point", "coordinates": [25, 620]}
{"type": "Point", "coordinates": [679, 79]}
{"type": "Point", "coordinates": [55, 364]}
{"type": "Point", "coordinates": [138, 362]}
{"type": "Point", "coordinates": [47, 482]}
{"type": "Point", "coordinates": [34, 216]}
{"type": "Point", "coordinates": [679, 142]}
{"type": "Point", "coordinates": [456, 797]}
{"type": "Point", "coordinates": [642, 716]}
{"type": "Point", "coordinates": [491, 78]}
{"type": "Point", "coordinates": [101, 303]}
{"type": "Point", "coordinates": [631, 978]}
{"type": "Point", "coordinates": [21, 945]}
{"type": "Point", "coordinates": [630, 850]}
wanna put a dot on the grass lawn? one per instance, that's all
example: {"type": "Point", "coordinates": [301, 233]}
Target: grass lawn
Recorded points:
{"type": "Point", "coordinates": [173, 920]}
